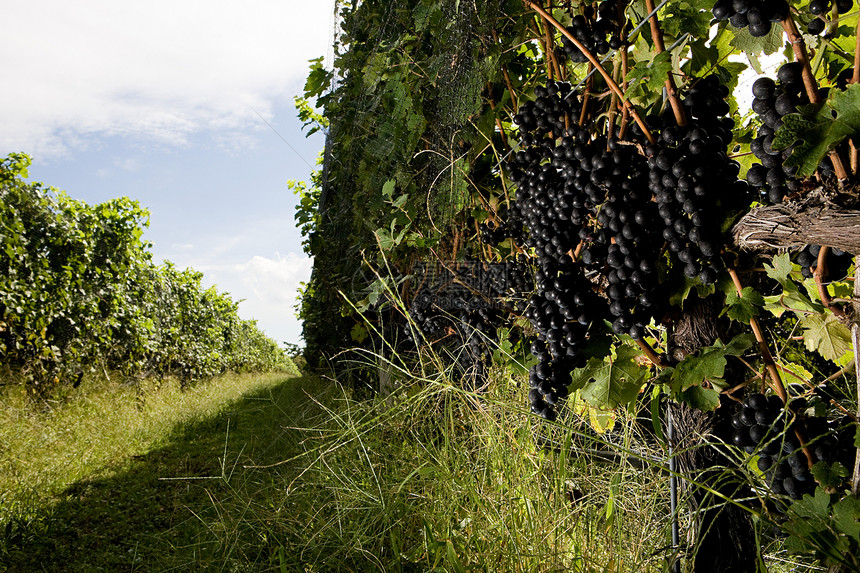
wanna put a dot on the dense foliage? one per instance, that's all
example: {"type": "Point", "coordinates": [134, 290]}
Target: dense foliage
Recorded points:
{"type": "Point", "coordinates": [79, 291]}
{"type": "Point", "coordinates": [606, 148]}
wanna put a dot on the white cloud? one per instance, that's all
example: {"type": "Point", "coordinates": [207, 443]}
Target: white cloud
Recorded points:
{"type": "Point", "coordinates": [161, 69]}
{"type": "Point", "coordinates": [270, 287]}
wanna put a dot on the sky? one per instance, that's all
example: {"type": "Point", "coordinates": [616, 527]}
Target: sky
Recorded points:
{"type": "Point", "coordinates": [187, 107]}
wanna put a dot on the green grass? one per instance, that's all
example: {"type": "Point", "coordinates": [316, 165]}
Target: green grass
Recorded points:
{"type": "Point", "coordinates": [157, 479]}
{"type": "Point", "coordinates": [121, 478]}
{"type": "Point", "coordinates": [272, 473]}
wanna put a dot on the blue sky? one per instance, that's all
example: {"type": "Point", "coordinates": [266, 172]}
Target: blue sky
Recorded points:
{"type": "Point", "coordinates": [159, 101]}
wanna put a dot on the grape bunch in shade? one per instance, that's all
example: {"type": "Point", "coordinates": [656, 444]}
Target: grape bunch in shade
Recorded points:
{"type": "Point", "coordinates": [462, 305]}
{"type": "Point", "coordinates": [756, 15]}
{"type": "Point", "coordinates": [694, 182]}
{"type": "Point", "coordinates": [820, 9]}
{"type": "Point", "coordinates": [598, 34]}
{"type": "Point", "coordinates": [765, 427]}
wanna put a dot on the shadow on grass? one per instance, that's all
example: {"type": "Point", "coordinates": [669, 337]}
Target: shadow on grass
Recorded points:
{"type": "Point", "coordinates": [189, 505]}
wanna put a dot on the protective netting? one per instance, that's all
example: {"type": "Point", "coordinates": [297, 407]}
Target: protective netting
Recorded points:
{"type": "Point", "coordinates": [407, 89]}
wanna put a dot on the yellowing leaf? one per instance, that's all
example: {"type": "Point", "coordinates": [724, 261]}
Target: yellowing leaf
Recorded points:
{"type": "Point", "coordinates": [827, 336]}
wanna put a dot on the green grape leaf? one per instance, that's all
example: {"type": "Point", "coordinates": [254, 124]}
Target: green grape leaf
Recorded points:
{"type": "Point", "coordinates": [819, 128]}
{"type": "Point", "coordinates": [769, 44]}
{"type": "Point", "coordinates": [829, 475]}
{"type": "Point", "coordinates": [704, 399]}
{"type": "Point", "coordinates": [792, 298]}
{"type": "Point", "coordinates": [846, 517]}
{"type": "Point", "coordinates": [743, 308]}
{"type": "Point", "coordinates": [809, 526]}
{"type": "Point", "coordinates": [824, 334]}
{"type": "Point", "coordinates": [693, 16]}
{"type": "Point", "coordinates": [792, 372]}
{"type": "Point", "coordinates": [679, 295]}
{"type": "Point", "coordinates": [610, 383]}
{"type": "Point", "coordinates": [651, 73]}
{"type": "Point", "coordinates": [810, 509]}
{"type": "Point", "coordinates": [707, 364]}
{"type": "Point", "coordinates": [780, 269]}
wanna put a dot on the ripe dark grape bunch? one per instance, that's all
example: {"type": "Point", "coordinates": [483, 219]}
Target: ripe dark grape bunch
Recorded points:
{"type": "Point", "coordinates": [766, 427]}
{"type": "Point", "coordinates": [820, 9]}
{"type": "Point", "coordinates": [492, 233]}
{"type": "Point", "coordinates": [593, 33]}
{"type": "Point", "coordinates": [772, 102]}
{"type": "Point", "coordinates": [579, 189]}
{"type": "Point", "coordinates": [694, 182]}
{"type": "Point", "coordinates": [759, 15]}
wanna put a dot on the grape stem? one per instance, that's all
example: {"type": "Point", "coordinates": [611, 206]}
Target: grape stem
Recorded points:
{"type": "Point", "coordinates": [541, 38]}
{"type": "Point", "coordinates": [586, 98]}
{"type": "Point", "coordinates": [625, 112]}
{"type": "Point", "coordinates": [655, 358]}
{"type": "Point", "coordinates": [770, 365]}
{"type": "Point", "coordinates": [671, 88]}
{"type": "Point", "coordinates": [855, 78]}
{"type": "Point", "coordinates": [766, 356]}
{"type": "Point", "coordinates": [613, 107]}
{"type": "Point", "coordinates": [550, 52]}
{"type": "Point", "coordinates": [820, 274]}
{"type": "Point", "coordinates": [609, 81]}
{"type": "Point", "coordinates": [507, 77]}
{"type": "Point", "coordinates": [798, 45]}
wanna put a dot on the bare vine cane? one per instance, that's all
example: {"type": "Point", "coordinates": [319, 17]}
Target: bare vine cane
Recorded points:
{"type": "Point", "coordinates": [820, 275]}
{"type": "Point", "coordinates": [608, 78]}
{"type": "Point", "coordinates": [671, 88]}
{"type": "Point", "coordinates": [798, 45]}
{"type": "Point", "coordinates": [764, 349]}
{"type": "Point", "coordinates": [770, 366]}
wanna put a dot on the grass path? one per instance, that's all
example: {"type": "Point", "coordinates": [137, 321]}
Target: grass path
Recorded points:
{"type": "Point", "coordinates": [116, 484]}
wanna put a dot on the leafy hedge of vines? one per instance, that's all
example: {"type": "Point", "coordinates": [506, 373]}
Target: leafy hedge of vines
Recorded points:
{"type": "Point", "coordinates": [79, 292]}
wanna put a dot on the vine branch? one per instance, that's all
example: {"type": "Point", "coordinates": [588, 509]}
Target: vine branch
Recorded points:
{"type": "Point", "coordinates": [671, 88]}
{"type": "Point", "coordinates": [764, 350]}
{"type": "Point", "coordinates": [587, 53]}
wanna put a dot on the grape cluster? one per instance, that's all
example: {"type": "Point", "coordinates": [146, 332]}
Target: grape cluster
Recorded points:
{"type": "Point", "coordinates": [593, 33]}
{"type": "Point", "coordinates": [461, 305]}
{"type": "Point", "coordinates": [694, 182]}
{"type": "Point", "coordinates": [820, 9]}
{"type": "Point", "coordinates": [596, 212]}
{"type": "Point", "coordinates": [773, 100]}
{"type": "Point", "coordinates": [764, 426]}
{"type": "Point", "coordinates": [758, 15]}
{"type": "Point", "coordinates": [492, 233]}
